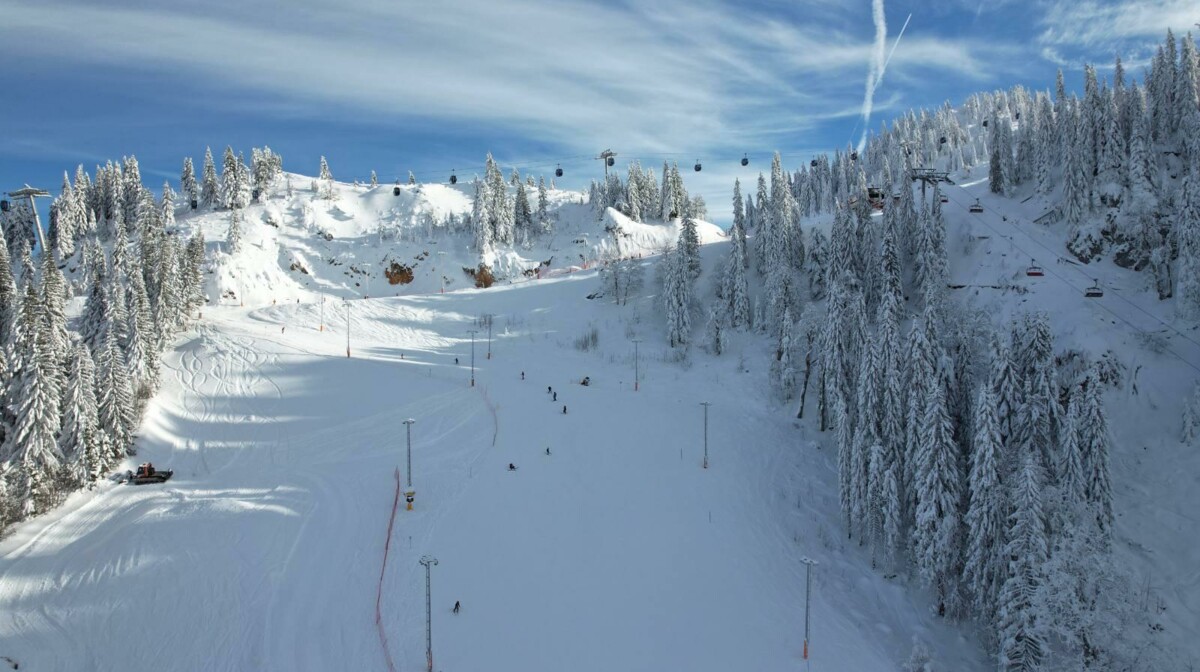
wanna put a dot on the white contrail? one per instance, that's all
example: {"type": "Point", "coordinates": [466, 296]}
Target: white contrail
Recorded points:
{"type": "Point", "coordinates": [894, 45]}
{"type": "Point", "coordinates": [877, 58]}
{"type": "Point", "coordinates": [878, 64]}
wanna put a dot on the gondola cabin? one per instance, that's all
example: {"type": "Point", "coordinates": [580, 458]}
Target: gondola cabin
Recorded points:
{"type": "Point", "coordinates": [875, 198]}
{"type": "Point", "coordinates": [745, 160]}
{"type": "Point", "coordinates": [558, 171]}
{"type": "Point", "coordinates": [697, 165]}
{"type": "Point", "coordinates": [395, 191]}
{"type": "Point", "coordinates": [453, 178]}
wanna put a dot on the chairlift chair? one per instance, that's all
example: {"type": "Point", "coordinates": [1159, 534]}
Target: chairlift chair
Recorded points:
{"type": "Point", "coordinates": [1034, 271]}
{"type": "Point", "coordinates": [745, 160]}
{"type": "Point", "coordinates": [558, 171]}
{"type": "Point", "coordinates": [976, 207]}
{"type": "Point", "coordinates": [1095, 291]}
{"type": "Point", "coordinates": [944, 198]}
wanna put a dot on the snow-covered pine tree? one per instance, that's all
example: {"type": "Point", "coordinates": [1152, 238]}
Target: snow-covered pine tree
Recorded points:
{"type": "Point", "coordinates": [1020, 633]}
{"type": "Point", "coordinates": [374, 179]}
{"type": "Point", "coordinates": [716, 330]}
{"type": "Point", "coordinates": [1191, 417]}
{"type": "Point", "coordinates": [412, 179]}
{"type": "Point", "coordinates": [229, 180]}
{"type": "Point", "coordinates": [677, 295]}
{"type": "Point", "coordinates": [690, 241]}
{"type": "Point", "coordinates": [233, 234]}
{"type": "Point", "coordinates": [937, 522]}
{"type": "Point", "coordinates": [114, 398]}
{"type": "Point", "coordinates": [1075, 182]}
{"type": "Point", "coordinates": [187, 181]}
{"type": "Point", "coordinates": [815, 265]}
{"type": "Point", "coordinates": [54, 310]}
{"type": "Point", "coordinates": [78, 441]}
{"type": "Point", "coordinates": [1093, 446]}
{"type": "Point", "coordinates": [481, 220]}
{"type": "Point", "coordinates": [736, 289]}
{"type": "Point", "coordinates": [324, 173]}
{"type": "Point", "coordinates": [166, 210]}
{"type": "Point", "coordinates": [543, 207]}
{"type": "Point", "coordinates": [866, 494]}
{"type": "Point", "coordinates": [36, 392]}
{"type": "Point", "coordinates": [998, 178]}
{"type": "Point", "coordinates": [141, 346]}
{"type": "Point", "coordinates": [209, 190]}
{"type": "Point", "coordinates": [633, 200]}
{"type": "Point", "coordinates": [985, 566]}
{"type": "Point", "coordinates": [96, 306]}
{"type": "Point", "coordinates": [1187, 228]}
{"type": "Point", "coordinates": [1072, 481]}
{"type": "Point", "coordinates": [8, 293]}
{"type": "Point", "coordinates": [522, 214]}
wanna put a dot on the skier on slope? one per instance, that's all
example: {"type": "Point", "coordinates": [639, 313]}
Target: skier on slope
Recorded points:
{"type": "Point", "coordinates": [512, 467]}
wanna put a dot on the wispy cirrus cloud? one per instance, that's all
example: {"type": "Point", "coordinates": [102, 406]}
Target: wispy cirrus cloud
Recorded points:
{"type": "Point", "coordinates": [1091, 31]}
{"type": "Point", "coordinates": [657, 76]}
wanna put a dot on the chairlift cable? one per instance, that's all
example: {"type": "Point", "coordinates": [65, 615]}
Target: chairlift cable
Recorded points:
{"type": "Point", "coordinates": [1068, 283]}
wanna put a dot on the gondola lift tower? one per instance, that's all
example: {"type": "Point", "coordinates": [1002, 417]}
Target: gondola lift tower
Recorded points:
{"type": "Point", "coordinates": [32, 193]}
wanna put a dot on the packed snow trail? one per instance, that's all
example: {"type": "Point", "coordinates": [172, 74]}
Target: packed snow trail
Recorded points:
{"type": "Point", "coordinates": [617, 551]}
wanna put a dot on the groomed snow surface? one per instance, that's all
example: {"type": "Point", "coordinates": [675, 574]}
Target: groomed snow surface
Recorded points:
{"type": "Point", "coordinates": [617, 551]}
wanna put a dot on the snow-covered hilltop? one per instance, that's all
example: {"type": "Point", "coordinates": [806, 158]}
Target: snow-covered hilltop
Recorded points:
{"type": "Point", "coordinates": [304, 236]}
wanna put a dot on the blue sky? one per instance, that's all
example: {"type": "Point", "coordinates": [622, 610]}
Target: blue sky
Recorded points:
{"type": "Point", "coordinates": [396, 86]}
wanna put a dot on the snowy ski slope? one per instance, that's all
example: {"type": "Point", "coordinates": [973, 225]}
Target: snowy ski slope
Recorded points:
{"type": "Point", "coordinates": [615, 552]}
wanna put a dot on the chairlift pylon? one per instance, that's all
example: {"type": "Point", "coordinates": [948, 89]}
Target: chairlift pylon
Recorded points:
{"type": "Point", "coordinates": [1095, 291]}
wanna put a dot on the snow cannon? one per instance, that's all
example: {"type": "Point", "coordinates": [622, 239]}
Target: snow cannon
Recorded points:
{"type": "Point", "coordinates": [409, 496]}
